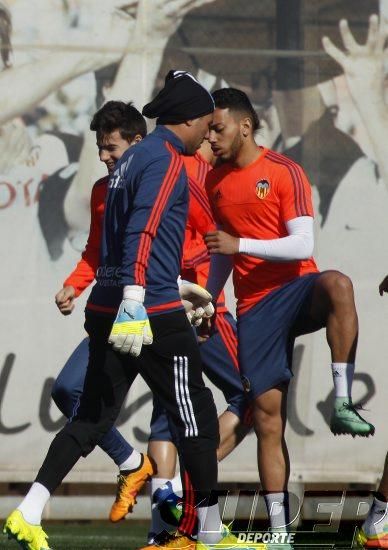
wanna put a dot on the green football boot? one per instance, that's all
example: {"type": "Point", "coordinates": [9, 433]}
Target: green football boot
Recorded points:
{"type": "Point", "coordinates": [346, 420]}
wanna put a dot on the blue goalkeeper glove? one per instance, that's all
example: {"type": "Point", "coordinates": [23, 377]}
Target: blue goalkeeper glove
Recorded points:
{"type": "Point", "coordinates": [131, 328]}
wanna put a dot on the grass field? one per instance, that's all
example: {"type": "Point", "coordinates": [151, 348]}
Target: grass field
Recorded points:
{"type": "Point", "coordinates": [98, 535]}
{"type": "Point", "coordinates": [130, 535]}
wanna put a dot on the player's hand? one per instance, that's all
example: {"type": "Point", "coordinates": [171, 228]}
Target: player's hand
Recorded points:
{"type": "Point", "coordinates": [219, 242]}
{"type": "Point", "coordinates": [205, 330]}
{"type": "Point", "coordinates": [383, 286]}
{"type": "Point", "coordinates": [197, 302]}
{"type": "Point", "coordinates": [65, 300]}
{"type": "Point", "coordinates": [363, 64]}
{"type": "Point", "coordinates": [156, 21]}
{"type": "Point", "coordinates": [109, 18]}
{"type": "Point", "coordinates": [131, 328]}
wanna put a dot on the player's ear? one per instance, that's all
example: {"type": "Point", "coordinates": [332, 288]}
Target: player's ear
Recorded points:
{"type": "Point", "coordinates": [246, 126]}
{"type": "Point", "coordinates": [135, 140]}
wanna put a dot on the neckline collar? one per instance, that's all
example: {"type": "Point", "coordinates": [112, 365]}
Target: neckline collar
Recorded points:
{"type": "Point", "coordinates": [166, 134]}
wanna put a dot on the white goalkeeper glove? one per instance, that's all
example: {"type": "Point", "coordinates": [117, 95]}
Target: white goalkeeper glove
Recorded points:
{"type": "Point", "coordinates": [197, 302]}
{"type": "Point", "coordinates": [131, 328]}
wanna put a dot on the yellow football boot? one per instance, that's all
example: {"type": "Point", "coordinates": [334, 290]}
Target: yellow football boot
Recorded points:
{"type": "Point", "coordinates": [29, 537]}
{"type": "Point", "coordinates": [230, 542]}
{"type": "Point", "coordinates": [379, 540]}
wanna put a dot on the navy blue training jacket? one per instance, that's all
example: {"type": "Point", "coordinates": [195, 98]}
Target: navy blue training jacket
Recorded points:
{"type": "Point", "coordinates": [144, 226]}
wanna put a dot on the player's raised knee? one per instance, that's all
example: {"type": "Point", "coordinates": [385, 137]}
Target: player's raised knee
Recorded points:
{"type": "Point", "coordinates": [338, 286]}
{"type": "Point", "coordinates": [343, 286]}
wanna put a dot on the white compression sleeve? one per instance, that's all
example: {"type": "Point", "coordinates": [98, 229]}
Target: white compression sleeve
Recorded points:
{"type": "Point", "coordinates": [298, 245]}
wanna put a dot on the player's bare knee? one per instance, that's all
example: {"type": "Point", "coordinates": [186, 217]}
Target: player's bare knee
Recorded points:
{"type": "Point", "coordinates": [343, 289]}
{"type": "Point", "coordinates": [268, 424]}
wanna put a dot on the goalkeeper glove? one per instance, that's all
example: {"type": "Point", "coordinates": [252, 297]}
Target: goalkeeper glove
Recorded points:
{"type": "Point", "coordinates": [197, 302]}
{"type": "Point", "coordinates": [131, 328]}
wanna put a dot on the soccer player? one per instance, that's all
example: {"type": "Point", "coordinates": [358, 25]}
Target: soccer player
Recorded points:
{"type": "Point", "coordinates": [145, 215]}
{"type": "Point", "coordinates": [262, 203]}
{"type": "Point", "coordinates": [118, 126]}
{"type": "Point", "coordinates": [218, 354]}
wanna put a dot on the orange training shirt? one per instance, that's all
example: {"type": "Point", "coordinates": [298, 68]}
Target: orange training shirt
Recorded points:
{"type": "Point", "coordinates": [256, 202]}
{"type": "Point", "coordinates": [196, 258]}
{"type": "Point", "coordinates": [85, 271]}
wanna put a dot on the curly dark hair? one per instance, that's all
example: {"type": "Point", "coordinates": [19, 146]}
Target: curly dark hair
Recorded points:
{"type": "Point", "coordinates": [236, 100]}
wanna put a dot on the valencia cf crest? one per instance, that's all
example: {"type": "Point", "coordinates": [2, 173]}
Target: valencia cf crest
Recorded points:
{"type": "Point", "coordinates": [262, 188]}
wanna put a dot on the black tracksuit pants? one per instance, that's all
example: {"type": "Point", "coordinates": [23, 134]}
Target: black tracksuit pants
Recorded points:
{"type": "Point", "coordinates": [172, 368]}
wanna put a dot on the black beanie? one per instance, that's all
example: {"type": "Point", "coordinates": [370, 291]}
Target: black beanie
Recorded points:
{"type": "Point", "coordinates": [182, 98]}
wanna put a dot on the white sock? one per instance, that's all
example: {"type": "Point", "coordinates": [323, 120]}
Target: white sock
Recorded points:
{"type": "Point", "coordinates": [210, 525]}
{"type": "Point", "coordinates": [342, 378]}
{"type": "Point", "coordinates": [157, 523]}
{"type": "Point", "coordinates": [132, 462]}
{"type": "Point", "coordinates": [374, 523]}
{"type": "Point", "coordinates": [157, 483]}
{"type": "Point", "coordinates": [177, 485]}
{"type": "Point", "coordinates": [277, 508]}
{"type": "Point", "coordinates": [34, 502]}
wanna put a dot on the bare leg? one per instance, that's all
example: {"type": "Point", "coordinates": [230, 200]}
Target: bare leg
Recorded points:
{"type": "Point", "coordinates": [232, 432]}
{"type": "Point", "coordinates": [269, 416]}
{"type": "Point", "coordinates": [333, 304]}
{"type": "Point", "coordinates": [164, 455]}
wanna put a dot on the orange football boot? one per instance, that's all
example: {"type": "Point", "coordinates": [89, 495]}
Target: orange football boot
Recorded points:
{"type": "Point", "coordinates": [128, 486]}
